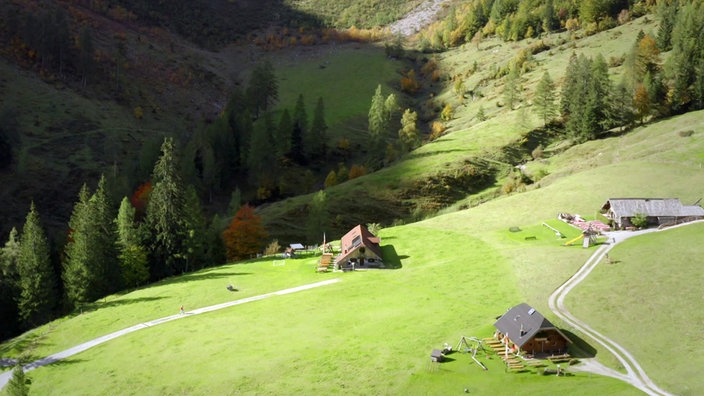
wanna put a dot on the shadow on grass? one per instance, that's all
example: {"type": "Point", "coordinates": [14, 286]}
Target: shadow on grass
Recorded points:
{"type": "Point", "coordinates": [391, 259]}
{"type": "Point", "coordinates": [116, 303]}
{"type": "Point", "coordinates": [29, 342]}
{"type": "Point", "coordinates": [579, 348]}
{"type": "Point", "coordinates": [199, 276]}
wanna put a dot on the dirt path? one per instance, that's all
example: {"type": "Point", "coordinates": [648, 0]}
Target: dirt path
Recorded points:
{"type": "Point", "coordinates": [5, 377]}
{"type": "Point", "coordinates": [635, 375]}
{"type": "Point", "coordinates": [422, 16]}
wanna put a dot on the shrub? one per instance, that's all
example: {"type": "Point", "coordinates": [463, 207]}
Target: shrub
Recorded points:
{"type": "Point", "coordinates": [437, 128]}
{"type": "Point", "coordinates": [447, 112]}
{"type": "Point", "coordinates": [639, 220]}
{"type": "Point", "coordinates": [357, 171]}
{"type": "Point", "coordinates": [272, 248]}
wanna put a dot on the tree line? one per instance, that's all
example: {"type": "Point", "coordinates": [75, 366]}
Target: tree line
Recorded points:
{"type": "Point", "coordinates": [109, 250]}
{"type": "Point", "coordinates": [514, 20]}
{"type": "Point", "coordinates": [590, 102]}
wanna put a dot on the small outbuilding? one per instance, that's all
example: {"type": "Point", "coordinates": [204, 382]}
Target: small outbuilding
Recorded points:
{"type": "Point", "coordinates": [359, 248]}
{"type": "Point", "coordinates": [658, 211]}
{"type": "Point", "coordinates": [523, 329]}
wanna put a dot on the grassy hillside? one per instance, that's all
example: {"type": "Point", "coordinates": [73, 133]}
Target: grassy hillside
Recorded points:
{"type": "Point", "coordinates": [662, 274]}
{"type": "Point", "coordinates": [434, 176]}
{"type": "Point", "coordinates": [372, 332]}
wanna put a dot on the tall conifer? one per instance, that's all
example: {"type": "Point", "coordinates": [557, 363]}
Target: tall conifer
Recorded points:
{"type": "Point", "coordinates": [165, 213]}
{"type": "Point", "coordinates": [37, 280]}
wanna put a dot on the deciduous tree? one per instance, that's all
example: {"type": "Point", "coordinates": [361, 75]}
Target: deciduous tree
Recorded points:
{"type": "Point", "coordinates": [408, 134]}
{"type": "Point", "coordinates": [245, 236]}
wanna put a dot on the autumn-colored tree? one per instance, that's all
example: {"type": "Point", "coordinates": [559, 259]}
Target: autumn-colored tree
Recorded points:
{"type": "Point", "coordinates": [409, 82]}
{"type": "Point", "coordinates": [357, 171]}
{"type": "Point", "coordinates": [245, 236]}
{"type": "Point", "coordinates": [331, 179]}
{"type": "Point", "coordinates": [140, 198]}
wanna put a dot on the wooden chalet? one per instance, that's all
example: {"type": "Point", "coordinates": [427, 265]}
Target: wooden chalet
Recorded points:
{"type": "Point", "coordinates": [523, 329]}
{"type": "Point", "coordinates": [658, 211]}
{"type": "Point", "coordinates": [359, 248]}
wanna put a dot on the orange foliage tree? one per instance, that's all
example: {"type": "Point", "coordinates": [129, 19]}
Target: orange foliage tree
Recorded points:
{"type": "Point", "coordinates": [140, 198]}
{"type": "Point", "coordinates": [245, 236]}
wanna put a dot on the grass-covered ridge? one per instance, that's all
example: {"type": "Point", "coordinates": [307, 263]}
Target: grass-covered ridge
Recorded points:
{"type": "Point", "coordinates": [458, 272]}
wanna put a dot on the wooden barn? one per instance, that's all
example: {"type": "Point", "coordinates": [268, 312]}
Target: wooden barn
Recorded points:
{"type": "Point", "coordinates": [658, 211]}
{"type": "Point", "coordinates": [523, 329]}
{"type": "Point", "coordinates": [359, 248]}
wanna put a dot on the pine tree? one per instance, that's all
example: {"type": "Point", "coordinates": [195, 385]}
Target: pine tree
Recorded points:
{"type": "Point", "coordinates": [165, 213]}
{"type": "Point", "coordinates": [545, 105]}
{"type": "Point", "coordinates": [9, 285]}
{"type": "Point", "coordinates": [37, 280]}
{"type": "Point", "coordinates": [132, 255]}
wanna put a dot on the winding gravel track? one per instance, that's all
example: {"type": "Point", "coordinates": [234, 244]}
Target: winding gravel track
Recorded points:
{"type": "Point", "coordinates": [635, 375]}
{"type": "Point", "coordinates": [5, 377]}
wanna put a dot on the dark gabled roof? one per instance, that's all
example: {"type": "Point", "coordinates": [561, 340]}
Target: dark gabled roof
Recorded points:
{"type": "Point", "coordinates": [523, 322]}
{"type": "Point", "coordinates": [354, 239]}
{"type": "Point", "coordinates": [628, 207]}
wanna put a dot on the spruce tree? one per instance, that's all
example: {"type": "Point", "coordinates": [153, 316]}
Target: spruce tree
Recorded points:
{"type": "Point", "coordinates": [17, 386]}
{"type": "Point", "coordinates": [282, 137]}
{"type": "Point", "coordinates": [165, 213]}
{"type": "Point", "coordinates": [77, 272]}
{"type": "Point", "coordinates": [132, 255]}
{"type": "Point", "coordinates": [261, 160]}
{"type": "Point", "coordinates": [196, 228]}
{"type": "Point", "coordinates": [37, 281]}
{"type": "Point", "coordinates": [91, 269]}
{"type": "Point", "coordinates": [316, 144]}
{"type": "Point", "coordinates": [105, 251]}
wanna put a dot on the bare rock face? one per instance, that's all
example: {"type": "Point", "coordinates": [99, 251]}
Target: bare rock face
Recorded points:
{"type": "Point", "coordinates": [422, 16]}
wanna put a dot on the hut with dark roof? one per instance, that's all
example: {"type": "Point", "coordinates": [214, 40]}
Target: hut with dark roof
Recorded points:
{"type": "Point", "coordinates": [523, 329]}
